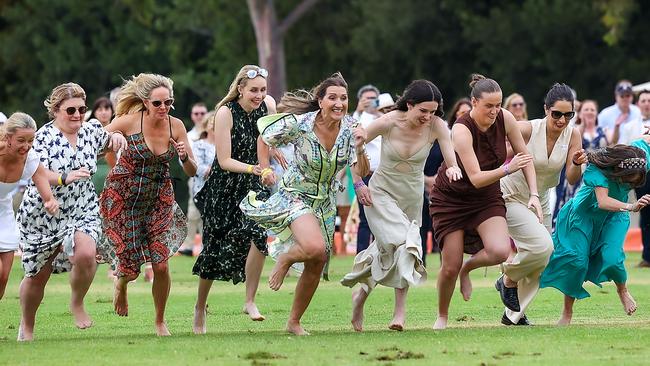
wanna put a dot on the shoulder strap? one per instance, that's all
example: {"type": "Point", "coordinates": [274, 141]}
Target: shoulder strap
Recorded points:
{"type": "Point", "coordinates": [141, 119]}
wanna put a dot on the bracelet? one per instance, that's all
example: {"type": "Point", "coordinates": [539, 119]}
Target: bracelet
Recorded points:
{"type": "Point", "coordinates": [187, 157]}
{"type": "Point", "coordinates": [574, 163]}
{"type": "Point", "coordinates": [265, 172]}
{"type": "Point", "coordinates": [60, 180]}
{"type": "Point", "coordinates": [63, 178]}
{"type": "Point", "coordinates": [534, 194]}
{"type": "Point", "coordinates": [505, 169]}
{"type": "Point", "coordinates": [359, 184]}
{"type": "Point", "coordinates": [628, 207]}
{"type": "Point", "coordinates": [249, 170]}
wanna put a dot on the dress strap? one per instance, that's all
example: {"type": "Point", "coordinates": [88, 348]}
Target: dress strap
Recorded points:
{"type": "Point", "coordinates": [141, 119]}
{"type": "Point", "coordinates": [169, 119]}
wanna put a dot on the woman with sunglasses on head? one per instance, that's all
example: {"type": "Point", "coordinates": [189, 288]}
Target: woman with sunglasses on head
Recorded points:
{"type": "Point", "coordinates": [69, 148]}
{"type": "Point", "coordinates": [234, 247]}
{"type": "Point", "coordinates": [18, 162]}
{"type": "Point", "coordinates": [555, 146]}
{"type": "Point", "coordinates": [469, 215]}
{"type": "Point", "coordinates": [303, 212]}
{"type": "Point", "coordinates": [394, 198]}
{"type": "Point", "coordinates": [591, 227]}
{"type": "Point", "coordinates": [141, 220]}
{"type": "Point", "coordinates": [516, 105]}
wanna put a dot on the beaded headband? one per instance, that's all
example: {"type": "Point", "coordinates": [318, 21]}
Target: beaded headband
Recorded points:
{"type": "Point", "coordinates": [632, 163]}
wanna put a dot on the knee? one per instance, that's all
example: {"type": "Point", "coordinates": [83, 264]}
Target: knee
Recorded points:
{"type": "Point", "coordinates": [450, 270]}
{"type": "Point", "coordinates": [314, 250]}
{"type": "Point", "coordinates": [160, 268]}
{"type": "Point", "coordinates": [499, 253]}
{"type": "Point", "coordinates": [84, 261]}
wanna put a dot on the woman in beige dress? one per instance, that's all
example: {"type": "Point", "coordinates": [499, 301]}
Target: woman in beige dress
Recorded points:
{"type": "Point", "coordinates": [394, 198]}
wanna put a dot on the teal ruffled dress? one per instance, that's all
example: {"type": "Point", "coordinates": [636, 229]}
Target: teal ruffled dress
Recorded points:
{"type": "Point", "coordinates": [589, 241]}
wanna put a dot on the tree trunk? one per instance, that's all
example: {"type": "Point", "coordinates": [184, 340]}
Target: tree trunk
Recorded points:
{"type": "Point", "coordinates": [269, 34]}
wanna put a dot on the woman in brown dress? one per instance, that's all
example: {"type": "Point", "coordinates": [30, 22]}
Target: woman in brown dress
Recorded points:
{"type": "Point", "coordinates": [469, 214]}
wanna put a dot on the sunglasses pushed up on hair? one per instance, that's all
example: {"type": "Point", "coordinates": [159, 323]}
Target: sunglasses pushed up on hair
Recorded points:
{"type": "Point", "coordinates": [71, 110]}
{"type": "Point", "coordinates": [253, 73]}
{"type": "Point", "coordinates": [558, 114]}
{"type": "Point", "coordinates": [158, 103]}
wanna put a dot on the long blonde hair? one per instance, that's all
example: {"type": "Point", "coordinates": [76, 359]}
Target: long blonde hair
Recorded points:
{"type": "Point", "coordinates": [16, 121]}
{"type": "Point", "coordinates": [240, 79]}
{"type": "Point", "coordinates": [303, 101]}
{"type": "Point", "coordinates": [62, 93]}
{"type": "Point", "coordinates": [134, 91]}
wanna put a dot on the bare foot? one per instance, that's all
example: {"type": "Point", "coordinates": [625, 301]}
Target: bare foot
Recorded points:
{"type": "Point", "coordinates": [251, 309]}
{"type": "Point", "coordinates": [565, 319]}
{"type": "Point", "coordinates": [629, 305]}
{"type": "Point", "coordinates": [25, 335]}
{"type": "Point", "coordinates": [297, 329]}
{"type": "Point", "coordinates": [161, 330]}
{"type": "Point", "coordinates": [119, 297]}
{"type": "Point", "coordinates": [277, 274]}
{"type": "Point", "coordinates": [441, 323]}
{"type": "Point", "coordinates": [199, 321]}
{"type": "Point", "coordinates": [81, 318]}
{"type": "Point", "coordinates": [465, 285]}
{"type": "Point", "coordinates": [358, 300]}
{"type": "Point", "coordinates": [398, 322]}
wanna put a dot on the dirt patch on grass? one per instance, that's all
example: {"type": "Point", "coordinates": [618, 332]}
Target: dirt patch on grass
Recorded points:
{"type": "Point", "coordinates": [398, 354]}
{"type": "Point", "coordinates": [262, 355]}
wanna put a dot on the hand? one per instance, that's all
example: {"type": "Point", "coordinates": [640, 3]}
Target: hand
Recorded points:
{"type": "Point", "coordinates": [363, 195]}
{"type": "Point", "coordinates": [641, 203]}
{"type": "Point", "coordinates": [279, 157]}
{"type": "Point", "coordinates": [257, 170]}
{"type": "Point", "coordinates": [180, 148]}
{"type": "Point", "coordinates": [579, 157]}
{"type": "Point", "coordinates": [269, 179]}
{"type": "Point", "coordinates": [116, 141]}
{"type": "Point", "coordinates": [622, 118]}
{"type": "Point", "coordinates": [453, 173]}
{"type": "Point", "coordinates": [519, 161]}
{"type": "Point", "coordinates": [360, 136]}
{"type": "Point", "coordinates": [51, 206]}
{"type": "Point", "coordinates": [75, 175]}
{"type": "Point", "coordinates": [533, 203]}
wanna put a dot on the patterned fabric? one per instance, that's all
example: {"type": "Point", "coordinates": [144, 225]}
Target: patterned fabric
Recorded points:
{"type": "Point", "coordinates": [308, 186]}
{"type": "Point", "coordinates": [227, 233]}
{"type": "Point", "coordinates": [42, 234]}
{"type": "Point", "coordinates": [141, 220]}
{"type": "Point", "coordinates": [204, 154]}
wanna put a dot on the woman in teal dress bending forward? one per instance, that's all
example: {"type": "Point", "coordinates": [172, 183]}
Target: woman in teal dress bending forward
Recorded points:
{"type": "Point", "coordinates": [591, 227]}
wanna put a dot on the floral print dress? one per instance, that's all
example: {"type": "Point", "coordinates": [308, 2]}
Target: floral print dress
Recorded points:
{"type": "Point", "coordinates": [308, 186]}
{"type": "Point", "coordinates": [227, 233]}
{"type": "Point", "coordinates": [42, 234]}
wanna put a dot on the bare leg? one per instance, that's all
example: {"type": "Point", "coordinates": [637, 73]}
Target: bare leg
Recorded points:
{"type": "Point", "coordinates": [254, 266]}
{"type": "Point", "coordinates": [148, 273]}
{"type": "Point", "coordinates": [31, 295]}
{"type": "Point", "coordinates": [494, 234]}
{"type": "Point", "coordinates": [465, 285]}
{"type": "Point", "coordinates": [305, 290]}
{"type": "Point", "coordinates": [120, 300]}
{"type": "Point", "coordinates": [629, 305]}
{"type": "Point", "coordinates": [160, 290]}
{"type": "Point", "coordinates": [6, 260]}
{"type": "Point", "coordinates": [567, 312]}
{"type": "Point", "coordinates": [452, 260]}
{"type": "Point", "coordinates": [84, 267]}
{"type": "Point", "coordinates": [200, 307]}
{"type": "Point", "coordinates": [399, 314]}
{"type": "Point", "coordinates": [359, 298]}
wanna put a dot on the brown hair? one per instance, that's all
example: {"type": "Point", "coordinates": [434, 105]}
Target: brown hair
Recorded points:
{"type": "Point", "coordinates": [582, 104]}
{"type": "Point", "coordinates": [619, 162]}
{"type": "Point", "coordinates": [452, 115]}
{"type": "Point", "coordinates": [303, 101]}
{"type": "Point", "coordinates": [480, 84]}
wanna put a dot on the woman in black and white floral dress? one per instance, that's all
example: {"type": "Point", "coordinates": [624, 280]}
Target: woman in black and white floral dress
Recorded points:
{"type": "Point", "coordinates": [68, 147]}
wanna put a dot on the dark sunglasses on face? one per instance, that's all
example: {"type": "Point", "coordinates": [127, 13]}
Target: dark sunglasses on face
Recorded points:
{"type": "Point", "coordinates": [558, 114]}
{"type": "Point", "coordinates": [71, 110]}
{"type": "Point", "coordinates": [515, 105]}
{"type": "Point", "coordinates": [158, 103]}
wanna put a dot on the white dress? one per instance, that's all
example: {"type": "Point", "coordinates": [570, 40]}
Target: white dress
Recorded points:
{"type": "Point", "coordinates": [9, 234]}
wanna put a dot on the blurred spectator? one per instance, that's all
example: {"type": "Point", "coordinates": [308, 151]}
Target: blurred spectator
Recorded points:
{"type": "Point", "coordinates": [365, 96]}
{"type": "Point", "coordinates": [102, 111]}
{"type": "Point", "coordinates": [612, 118]}
{"type": "Point", "coordinates": [516, 105]}
{"type": "Point", "coordinates": [634, 129]}
{"type": "Point", "coordinates": [462, 106]}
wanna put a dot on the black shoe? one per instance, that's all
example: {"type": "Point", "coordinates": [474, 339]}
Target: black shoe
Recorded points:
{"type": "Point", "coordinates": [506, 321]}
{"type": "Point", "coordinates": [509, 296]}
{"type": "Point", "coordinates": [187, 252]}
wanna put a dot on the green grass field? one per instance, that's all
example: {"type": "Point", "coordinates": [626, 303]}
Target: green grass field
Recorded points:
{"type": "Point", "coordinates": [601, 334]}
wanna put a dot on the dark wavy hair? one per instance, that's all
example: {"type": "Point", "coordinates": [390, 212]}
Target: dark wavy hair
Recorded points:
{"type": "Point", "coordinates": [622, 163]}
{"type": "Point", "coordinates": [419, 91]}
{"type": "Point", "coordinates": [459, 103]}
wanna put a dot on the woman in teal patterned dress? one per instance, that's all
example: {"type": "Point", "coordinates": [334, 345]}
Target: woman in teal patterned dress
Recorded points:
{"type": "Point", "coordinates": [234, 247]}
{"type": "Point", "coordinates": [591, 227]}
{"type": "Point", "coordinates": [325, 141]}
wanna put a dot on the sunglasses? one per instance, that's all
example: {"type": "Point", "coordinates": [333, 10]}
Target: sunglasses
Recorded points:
{"type": "Point", "coordinates": [515, 105]}
{"type": "Point", "coordinates": [158, 103]}
{"type": "Point", "coordinates": [252, 74]}
{"type": "Point", "coordinates": [558, 114]}
{"type": "Point", "coordinates": [71, 110]}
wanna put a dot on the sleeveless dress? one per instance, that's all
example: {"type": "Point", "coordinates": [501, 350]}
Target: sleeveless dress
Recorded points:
{"type": "Point", "coordinates": [227, 232]}
{"type": "Point", "coordinates": [141, 220]}
{"type": "Point", "coordinates": [9, 234]}
{"type": "Point", "coordinates": [394, 258]}
{"type": "Point", "coordinates": [589, 241]}
{"type": "Point", "coordinates": [308, 186]}
{"type": "Point", "coordinates": [461, 206]}
{"type": "Point", "coordinates": [42, 234]}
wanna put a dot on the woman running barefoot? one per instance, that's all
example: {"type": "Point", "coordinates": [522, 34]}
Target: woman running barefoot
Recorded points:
{"type": "Point", "coordinates": [18, 162]}
{"type": "Point", "coordinates": [394, 198]}
{"type": "Point", "coordinates": [591, 227]}
{"type": "Point", "coordinates": [303, 211]}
